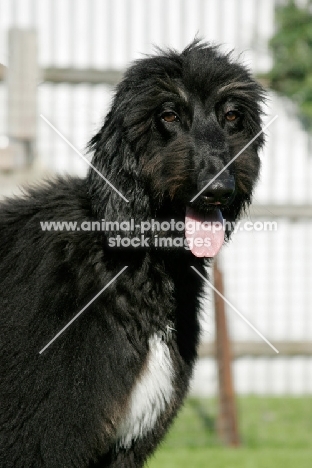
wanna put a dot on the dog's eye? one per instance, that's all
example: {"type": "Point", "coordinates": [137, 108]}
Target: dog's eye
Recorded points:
{"type": "Point", "coordinates": [169, 116]}
{"type": "Point", "coordinates": [230, 116]}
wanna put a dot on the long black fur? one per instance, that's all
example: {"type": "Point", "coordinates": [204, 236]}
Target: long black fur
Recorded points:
{"type": "Point", "coordinates": [62, 408]}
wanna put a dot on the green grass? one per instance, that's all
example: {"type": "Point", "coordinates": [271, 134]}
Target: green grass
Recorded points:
{"type": "Point", "coordinates": [275, 433]}
{"type": "Point", "coordinates": [239, 458]}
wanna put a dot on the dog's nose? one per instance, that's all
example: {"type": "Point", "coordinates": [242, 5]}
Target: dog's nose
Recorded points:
{"type": "Point", "coordinates": [220, 191]}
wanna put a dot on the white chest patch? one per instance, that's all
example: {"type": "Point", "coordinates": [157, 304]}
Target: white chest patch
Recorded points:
{"type": "Point", "coordinates": [150, 395]}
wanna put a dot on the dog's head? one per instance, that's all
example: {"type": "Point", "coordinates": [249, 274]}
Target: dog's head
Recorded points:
{"type": "Point", "coordinates": [170, 141]}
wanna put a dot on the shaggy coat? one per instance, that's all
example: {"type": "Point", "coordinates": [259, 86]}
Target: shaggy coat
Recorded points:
{"type": "Point", "coordinates": [104, 393]}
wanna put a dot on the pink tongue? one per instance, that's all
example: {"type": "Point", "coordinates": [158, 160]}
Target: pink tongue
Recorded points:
{"type": "Point", "coordinates": [204, 233]}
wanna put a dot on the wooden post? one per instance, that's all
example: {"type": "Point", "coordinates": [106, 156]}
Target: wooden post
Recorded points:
{"type": "Point", "coordinates": [22, 77]}
{"type": "Point", "coordinates": [227, 425]}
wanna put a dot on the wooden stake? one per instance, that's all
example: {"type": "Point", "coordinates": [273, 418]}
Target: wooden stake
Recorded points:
{"type": "Point", "coordinates": [227, 425]}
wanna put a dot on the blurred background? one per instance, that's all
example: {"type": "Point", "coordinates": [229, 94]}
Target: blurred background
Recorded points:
{"type": "Point", "coordinates": [62, 59]}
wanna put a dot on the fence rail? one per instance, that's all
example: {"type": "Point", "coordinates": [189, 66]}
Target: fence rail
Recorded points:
{"type": "Point", "coordinates": [260, 349]}
{"type": "Point", "coordinates": [73, 76]}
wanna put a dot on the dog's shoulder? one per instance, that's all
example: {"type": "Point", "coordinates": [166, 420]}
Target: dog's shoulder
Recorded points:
{"type": "Point", "coordinates": [31, 217]}
{"type": "Point", "coordinates": [58, 197]}
{"type": "Point", "coordinates": [34, 251]}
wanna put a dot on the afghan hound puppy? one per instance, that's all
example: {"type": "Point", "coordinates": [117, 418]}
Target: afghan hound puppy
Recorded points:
{"type": "Point", "coordinates": [126, 247]}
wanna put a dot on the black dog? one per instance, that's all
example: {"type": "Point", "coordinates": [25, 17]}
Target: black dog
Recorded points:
{"type": "Point", "coordinates": [104, 393]}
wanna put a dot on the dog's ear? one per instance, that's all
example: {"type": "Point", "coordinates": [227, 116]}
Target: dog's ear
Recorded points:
{"type": "Point", "coordinates": [119, 195]}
